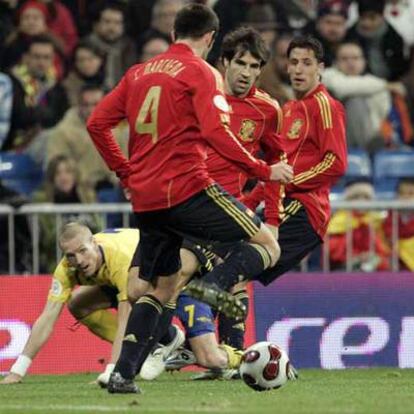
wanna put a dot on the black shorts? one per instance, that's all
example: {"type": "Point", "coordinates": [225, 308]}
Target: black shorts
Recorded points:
{"type": "Point", "coordinates": [212, 215]}
{"type": "Point", "coordinates": [297, 238]}
{"type": "Point", "coordinates": [205, 257]}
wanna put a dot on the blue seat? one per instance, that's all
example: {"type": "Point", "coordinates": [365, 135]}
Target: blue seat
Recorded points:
{"type": "Point", "coordinates": [20, 173]}
{"type": "Point", "coordinates": [389, 167]}
{"type": "Point", "coordinates": [359, 164]}
{"type": "Point", "coordinates": [111, 195]}
{"type": "Point", "coordinates": [393, 164]}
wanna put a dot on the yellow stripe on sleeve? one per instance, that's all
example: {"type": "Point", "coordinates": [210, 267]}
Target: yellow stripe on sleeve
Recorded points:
{"type": "Point", "coordinates": [318, 169]}
{"type": "Point", "coordinates": [325, 110]}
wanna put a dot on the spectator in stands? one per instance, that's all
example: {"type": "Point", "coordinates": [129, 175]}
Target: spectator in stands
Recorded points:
{"type": "Point", "coordinates": [369, 251]}
{"type": "Point", "coordinates": [32, 22]}
{"type": "Point", "coordinates": [405, 245]}
{"type": "Point", "coordinates": [153, 47]}
{"type": "Point", "coordinates": [62, 186]}
{"type": "Point", "coordinates": [274, 78]}
{"type": "Point", "coordinates": [387, 56]}
{"type": "Point", "coordinates": [88, 68]}
{"type": "Point", "coordinates": [109, 35]}
{"type": "Point", "coordinates": [162, 21]}
{"type": "Point", "coordinates": [39, 101]}
{"type": "Point", "coordinates": [330, 27]}
{"type": "Point", "coordinates": [366, 97]}
{"type": "Point", "coordinates": [70, 138]}
{"type": "Point", "coordinates": [61, 24]}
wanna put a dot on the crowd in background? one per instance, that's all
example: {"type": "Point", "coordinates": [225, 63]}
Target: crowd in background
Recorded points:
{"type": "Point", "coordinates": [59, 57]}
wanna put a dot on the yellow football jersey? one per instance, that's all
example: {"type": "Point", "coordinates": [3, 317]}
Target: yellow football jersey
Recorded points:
{"type": "Point", "coordinates": [118, 247]}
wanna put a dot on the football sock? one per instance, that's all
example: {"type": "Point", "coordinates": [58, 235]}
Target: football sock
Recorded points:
{"type": "Point", "coordinates": [102, 323]}
{"type": "Point", "coordinates": [142, 324]}
{"type": "Point", "coordinates": [244, 263]}
{"type": "Point", "coordinates": [162, 332]}
{"type": "Point", "coordinates": [231, 330]}
{"type": "Point", "coordinates": [168, 331]}
{"type": "Point", "coordinates": [234, 356]}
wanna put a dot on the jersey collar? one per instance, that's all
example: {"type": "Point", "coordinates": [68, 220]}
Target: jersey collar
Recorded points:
{"type": "Point", "coordinates": [180, 48]}
{"type": "Point", "coordinates": [319, 88]}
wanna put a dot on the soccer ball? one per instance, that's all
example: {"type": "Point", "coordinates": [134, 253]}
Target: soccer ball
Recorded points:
{"type": "Point", "coordinates": [264, 366]}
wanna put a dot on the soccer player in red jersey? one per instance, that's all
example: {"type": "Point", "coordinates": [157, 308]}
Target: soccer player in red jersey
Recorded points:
{"type": "Point", "coordinates": [255, 118]}
{"type": "Point", "coordinates": [176, 108]}
{"type": "Point", "coordinates": [314, 138]}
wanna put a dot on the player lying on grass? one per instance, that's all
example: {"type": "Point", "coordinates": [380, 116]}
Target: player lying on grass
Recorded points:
{"type": "Point", "coordinates": [99, 264]}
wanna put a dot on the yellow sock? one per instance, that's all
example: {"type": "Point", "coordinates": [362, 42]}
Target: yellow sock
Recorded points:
{"type": "Point", "coordinates": [233, 355]}
{"type": "Point", "coordinates": [102, 323]}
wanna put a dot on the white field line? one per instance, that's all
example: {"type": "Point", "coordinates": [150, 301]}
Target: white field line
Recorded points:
{"type": "Point", "coordinates": [105, 408]}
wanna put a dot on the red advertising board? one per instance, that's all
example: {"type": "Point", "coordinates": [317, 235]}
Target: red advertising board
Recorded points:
{"type": "Point", "coordinates": [68, 350]}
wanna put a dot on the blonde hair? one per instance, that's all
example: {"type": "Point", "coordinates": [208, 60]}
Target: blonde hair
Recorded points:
{"type": "Point", "coordinates": [73, 229]}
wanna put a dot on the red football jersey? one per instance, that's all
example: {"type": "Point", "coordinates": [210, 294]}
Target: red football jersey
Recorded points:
{"type": "Point", "coordinates": [255, 120]}
{"type": "Point", "coordinates": [315, 140]}
{"type": "Point", "coordinates": [313, 133]}
{"type": "Point", "coordinates": [175, 108]}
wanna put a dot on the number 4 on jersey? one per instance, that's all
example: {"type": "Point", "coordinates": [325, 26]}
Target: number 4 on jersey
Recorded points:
{"type": "Point", "coordinates": [147, 119]}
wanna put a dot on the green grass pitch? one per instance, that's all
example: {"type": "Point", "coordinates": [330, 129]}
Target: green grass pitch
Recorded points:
{"type": "Point", "coordinates": [377, 391]}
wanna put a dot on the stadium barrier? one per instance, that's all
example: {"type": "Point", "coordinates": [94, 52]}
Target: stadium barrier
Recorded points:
{"type": "Point", "coordinates": [107, 210]}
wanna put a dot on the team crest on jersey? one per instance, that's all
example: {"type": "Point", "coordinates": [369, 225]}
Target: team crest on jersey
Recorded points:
{"type": "Point", "coordinates": [247, 128]}
{"type": "Point", "coordinates": [295, 128]}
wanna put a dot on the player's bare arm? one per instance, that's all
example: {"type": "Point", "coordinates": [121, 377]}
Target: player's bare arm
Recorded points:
{"type": "Point", "coordinates": [41, 332]}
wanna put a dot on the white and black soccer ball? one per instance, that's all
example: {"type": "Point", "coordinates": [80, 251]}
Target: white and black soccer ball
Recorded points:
{"type": "Point", "coordinates": [264, 366]}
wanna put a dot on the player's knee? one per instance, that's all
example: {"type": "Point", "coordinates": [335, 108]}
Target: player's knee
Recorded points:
{"type": "Point", "coordinates": [272, 247]}
{"type": "Point", "coordinates": [266, 239]}
{"type": "Point", "coordinates": [165, 289]}
{"type": "Point", "coordinates": [136, 288]}
{"type": "Point", "coordinates": [274, 253]}
{"type": "Point", "coordinates": [77, 311]}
